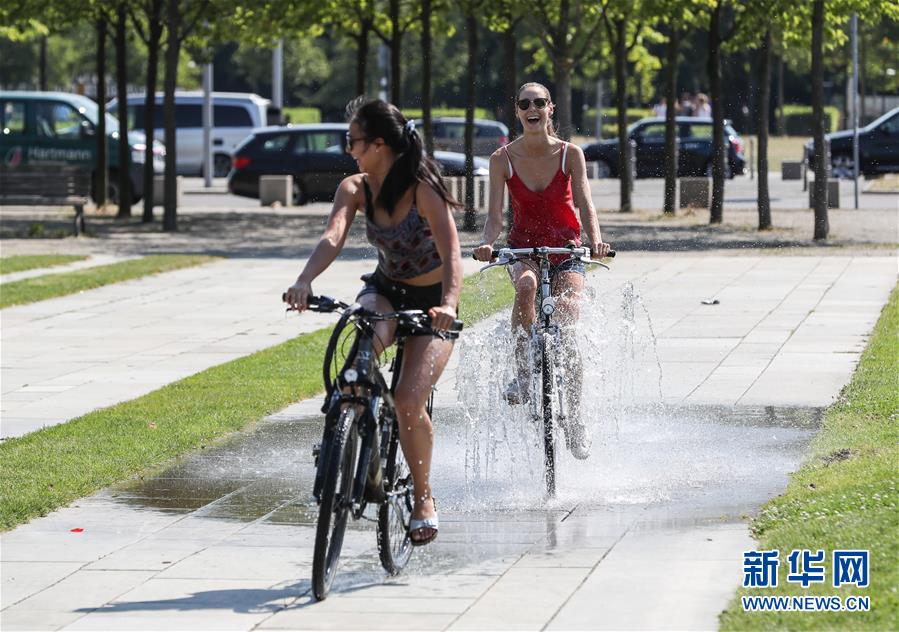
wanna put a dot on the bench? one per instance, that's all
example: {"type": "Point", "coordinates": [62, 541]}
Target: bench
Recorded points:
{"type": "Point", "coordinates": [29, 186]}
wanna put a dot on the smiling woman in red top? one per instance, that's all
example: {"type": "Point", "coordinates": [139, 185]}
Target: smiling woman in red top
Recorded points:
{"type": "Point", "coordinates": [552, 205]}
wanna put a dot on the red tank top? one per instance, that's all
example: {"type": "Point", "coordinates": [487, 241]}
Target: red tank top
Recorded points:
{"type": "Point", "coordinates": [547, 218]}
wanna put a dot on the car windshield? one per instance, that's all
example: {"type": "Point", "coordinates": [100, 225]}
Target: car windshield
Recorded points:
{"type": "Point", "coordinates": [91, 112]}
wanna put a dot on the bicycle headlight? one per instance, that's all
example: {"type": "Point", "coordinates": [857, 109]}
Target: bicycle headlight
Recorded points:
{"type": "Point", "coordinates": [548, 306]}
{"type": "Point", "coordinates": [350, 375]}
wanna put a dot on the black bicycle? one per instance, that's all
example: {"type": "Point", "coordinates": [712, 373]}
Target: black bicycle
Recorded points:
{"type": "Point", "coordinates": [548, 370]}
{"type": "Point", "coordinates": [359, 460]}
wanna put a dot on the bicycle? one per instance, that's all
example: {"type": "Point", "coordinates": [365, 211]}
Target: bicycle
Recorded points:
{"type": "Point", "coordinates": [548, 374]}
{"type": "Point", "coordinates": [359, 460]}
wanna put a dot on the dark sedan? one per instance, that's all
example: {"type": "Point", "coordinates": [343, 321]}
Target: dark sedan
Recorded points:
{"type": "Point", "coordinates": [314, 155]}
{"type": "Point", "coordinates": [878, 148]}
{"type": "Point", "coordinates": [694, 138]}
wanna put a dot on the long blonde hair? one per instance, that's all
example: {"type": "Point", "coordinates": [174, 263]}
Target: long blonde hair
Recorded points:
{"type": "Point", "coordinates": [550, 128]}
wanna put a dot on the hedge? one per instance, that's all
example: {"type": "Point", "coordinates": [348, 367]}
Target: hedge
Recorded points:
{"type": "Point", "coordinates": [798, 119]}
{"type": "Point", "coordinates": [479, 113]}
{"type": "Point", "coordinates": [298, 115]}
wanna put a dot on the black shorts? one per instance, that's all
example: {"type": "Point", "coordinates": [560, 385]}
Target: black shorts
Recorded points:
{"type": "Point", "coordinates": [401, 295]}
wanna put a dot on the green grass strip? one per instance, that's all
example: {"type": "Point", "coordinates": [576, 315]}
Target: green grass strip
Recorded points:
{"type": "Point", "coordinates": [20, 263]}
{"type": "Point", "coordinates": [63, 283]}
{"type": "Point", "coordinates": [52, 467]}
{"type": "Point", "coordinates": [844, 497]}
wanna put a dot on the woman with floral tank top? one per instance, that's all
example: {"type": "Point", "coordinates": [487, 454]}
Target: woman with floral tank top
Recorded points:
{"type": "Point", "coordinates": [409, 220]}
{"type": "Point", "coordinates": [552, 205]}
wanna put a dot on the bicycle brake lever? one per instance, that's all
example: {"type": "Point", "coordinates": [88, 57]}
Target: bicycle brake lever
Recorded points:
{"type": "Point", "coordinates": [498, 262]}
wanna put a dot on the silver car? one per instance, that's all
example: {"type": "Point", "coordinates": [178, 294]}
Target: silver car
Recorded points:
{"type": "Point", "coordinates": [449, 134]}
{"type": "Point", "coordinates": [234, 116]}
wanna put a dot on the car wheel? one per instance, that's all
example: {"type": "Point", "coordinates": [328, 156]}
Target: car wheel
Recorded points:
{"type": "Point", "coordinates": [300, 196]}
{"type": "Point", "coordinates": [221, 165]}
{"type": "Point", "coordinates": [603, 170]}
{"type": "Point", "coordinates": [841, 166]}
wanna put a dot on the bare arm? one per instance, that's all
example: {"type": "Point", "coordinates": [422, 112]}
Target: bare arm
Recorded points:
{"type": "Point", "coordinates": [331, 242]}
{"type": "Point", "coordinates": [494, 224]}
{"type": "Point", "coordinates": [583, 199]}
{"type": "Point", "coordinates": [443, 229]}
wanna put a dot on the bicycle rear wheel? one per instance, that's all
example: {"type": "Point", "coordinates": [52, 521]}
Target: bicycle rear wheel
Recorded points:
{"type": "Point", "coordinates": [394, 544]}
{"type": "Point", "coordinates": [549, 447]}
{"type": "Point", "coordinates": [335, 503]}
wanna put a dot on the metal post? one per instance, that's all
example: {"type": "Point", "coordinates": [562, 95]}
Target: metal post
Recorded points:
{"type": "Point", "coordinates": [599, 91]}
{"type": "Point", "coordinates": [855, 161]}
{"type": "Point", "coordinates": [383, 69]}
{"type": "Point", "coordinates": [207, 126]}
{"type": "Point", "coordinates": [278, 77]}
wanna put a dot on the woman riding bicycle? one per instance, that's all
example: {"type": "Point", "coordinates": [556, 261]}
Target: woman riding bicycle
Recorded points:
{"type": "Point", "coordinates": [408, 219]}
{"type": "Point", "coordinates": [547, 182]}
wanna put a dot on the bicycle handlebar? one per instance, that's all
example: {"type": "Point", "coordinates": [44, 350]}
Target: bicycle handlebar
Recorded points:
{"type": "Point", "coordinates": [416, 319]}
{"type": "Point", "coordinates": [537, 251]}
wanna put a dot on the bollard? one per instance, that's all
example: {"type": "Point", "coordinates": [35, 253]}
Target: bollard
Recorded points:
{"type": "Point", "coordinates": [276, 189]}
{"type": "Point", "coordinates": [159, 190]}
{"type": "Point", "coordinates": [833, 193]}
{"type": "Point", "coordinates": [481, 198]}
{"type": "Point", "coordinates": [791, 170]}
{"type": "Point", "coordinates": [694, 192]}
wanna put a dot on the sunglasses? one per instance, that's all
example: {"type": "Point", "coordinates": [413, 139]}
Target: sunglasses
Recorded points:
{"type": "Point", "coordinates": [539, 103]}
{"type": "Point", "coordinates": [350, 141]}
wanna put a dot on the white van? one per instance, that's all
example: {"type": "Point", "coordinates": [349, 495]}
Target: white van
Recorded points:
{"type": "Point", "coordinates": [234, 116]}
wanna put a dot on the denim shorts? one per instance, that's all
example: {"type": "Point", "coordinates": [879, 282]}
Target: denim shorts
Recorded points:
{"type": "Point", "coordinates": [566, 265]}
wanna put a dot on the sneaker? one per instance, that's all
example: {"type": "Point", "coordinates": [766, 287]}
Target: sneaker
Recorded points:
{"type": "Point", "coordinates": [578, 438]}
{"type": "Point", "coordinates": [517, 392]}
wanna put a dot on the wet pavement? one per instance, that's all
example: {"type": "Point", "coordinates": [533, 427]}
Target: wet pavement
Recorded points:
{"type": "Point", "coordinates": [223, 538]}
{"type": "Point", "coordinates": [699, 411]}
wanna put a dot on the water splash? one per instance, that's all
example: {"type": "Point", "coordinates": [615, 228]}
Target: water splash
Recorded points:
{"type": "Point", "coordinates": [503, 444]}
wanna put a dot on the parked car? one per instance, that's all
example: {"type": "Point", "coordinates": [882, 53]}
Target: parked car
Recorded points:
{"type": "Point", "coordinates": [449, 134]}
{"type": "Point", "coordinates": [694, 138]}
{"type": "Point", "coordinates": [314, 155]}
{"type": "Point", "coordinates": [878, 148]}
{"type": "Point", "coordinates": [48, 130]}
{"type": "Point", "coordinates": [234, 116]}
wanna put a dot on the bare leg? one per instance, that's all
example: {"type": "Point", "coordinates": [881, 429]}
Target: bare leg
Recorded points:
{"type": "Point", "coordinates": [424, 359]}
{"type": "Point", "coordinates": [568, 287]}
{"type": "Point", "coordinates": [524, 278]}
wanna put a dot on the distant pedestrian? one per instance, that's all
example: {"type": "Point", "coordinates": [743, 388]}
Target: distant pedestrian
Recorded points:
{"type": "Point", "coordinates": [703, 108]}
{"type": "Point", "coordinates": [660, 108]}
{"type": "Point", "coordinates": [685, 107]}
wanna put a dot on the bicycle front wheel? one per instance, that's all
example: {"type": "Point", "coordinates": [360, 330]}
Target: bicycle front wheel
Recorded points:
{"type": "Point", "coordinates": [549, 447]}
{"type": "Point", "coordinates": [394, 544]}
{"type": "Point", "coordinates": [336, 499]}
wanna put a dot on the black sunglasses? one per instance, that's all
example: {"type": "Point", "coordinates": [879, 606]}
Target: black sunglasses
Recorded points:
{"type": "Point", "coordinates": [350, 141]}
{"type": "Point", "coordinates": [539, 103]}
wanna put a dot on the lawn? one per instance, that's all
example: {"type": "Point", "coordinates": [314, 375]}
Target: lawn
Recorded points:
{"type": "Point", "coordinates": [63, 283]}
{"type": "Point", "coordinates": [20, 263]}
{"type": "Point", "coordinates": [844, 497]}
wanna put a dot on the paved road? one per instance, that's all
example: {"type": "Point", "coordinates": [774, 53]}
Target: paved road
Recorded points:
{"type": "Point", "coordinates": [646, 534]}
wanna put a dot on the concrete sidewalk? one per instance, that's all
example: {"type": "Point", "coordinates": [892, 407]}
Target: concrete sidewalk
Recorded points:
{"type": "Point", "coordinates": [648, 534]}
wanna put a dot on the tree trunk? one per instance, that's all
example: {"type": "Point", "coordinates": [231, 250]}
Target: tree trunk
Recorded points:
{"type": "Point", "coordinates": [624, 167]}
{"type": "Point", "coordinates": [471, 27]}
{"type": "Point", "coordinates": [42, 70]}
{"type": "Point", "coordinates": [819, 196]}
{"type": "Point", "coordinates": [781, 125]}
{"type": "Point", "coordinates": [396, 44]}
{"type": "Point", "coordinates": [154, 34]}
{"type": "Point", "coordinates": [102, 172]}
{"type": "Point", "coordinates": [426, 76]}
{"type": "Point", "coordinates": [362, 57]}
{"type": "Point", "coordinates": [172, 49]}
{"type": "Point", "coordinates": [561, 55]}
{"type": "Point", "coordinates": [510, 50]}
{"type": "Point", "coordinates": [764, 95]}
{"type": "Point", "coordinates": [121, 68]}
{"type": "Point", "coordinates": [671, 154]}
{"type": "Point", "coordinates": [718, 154]}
